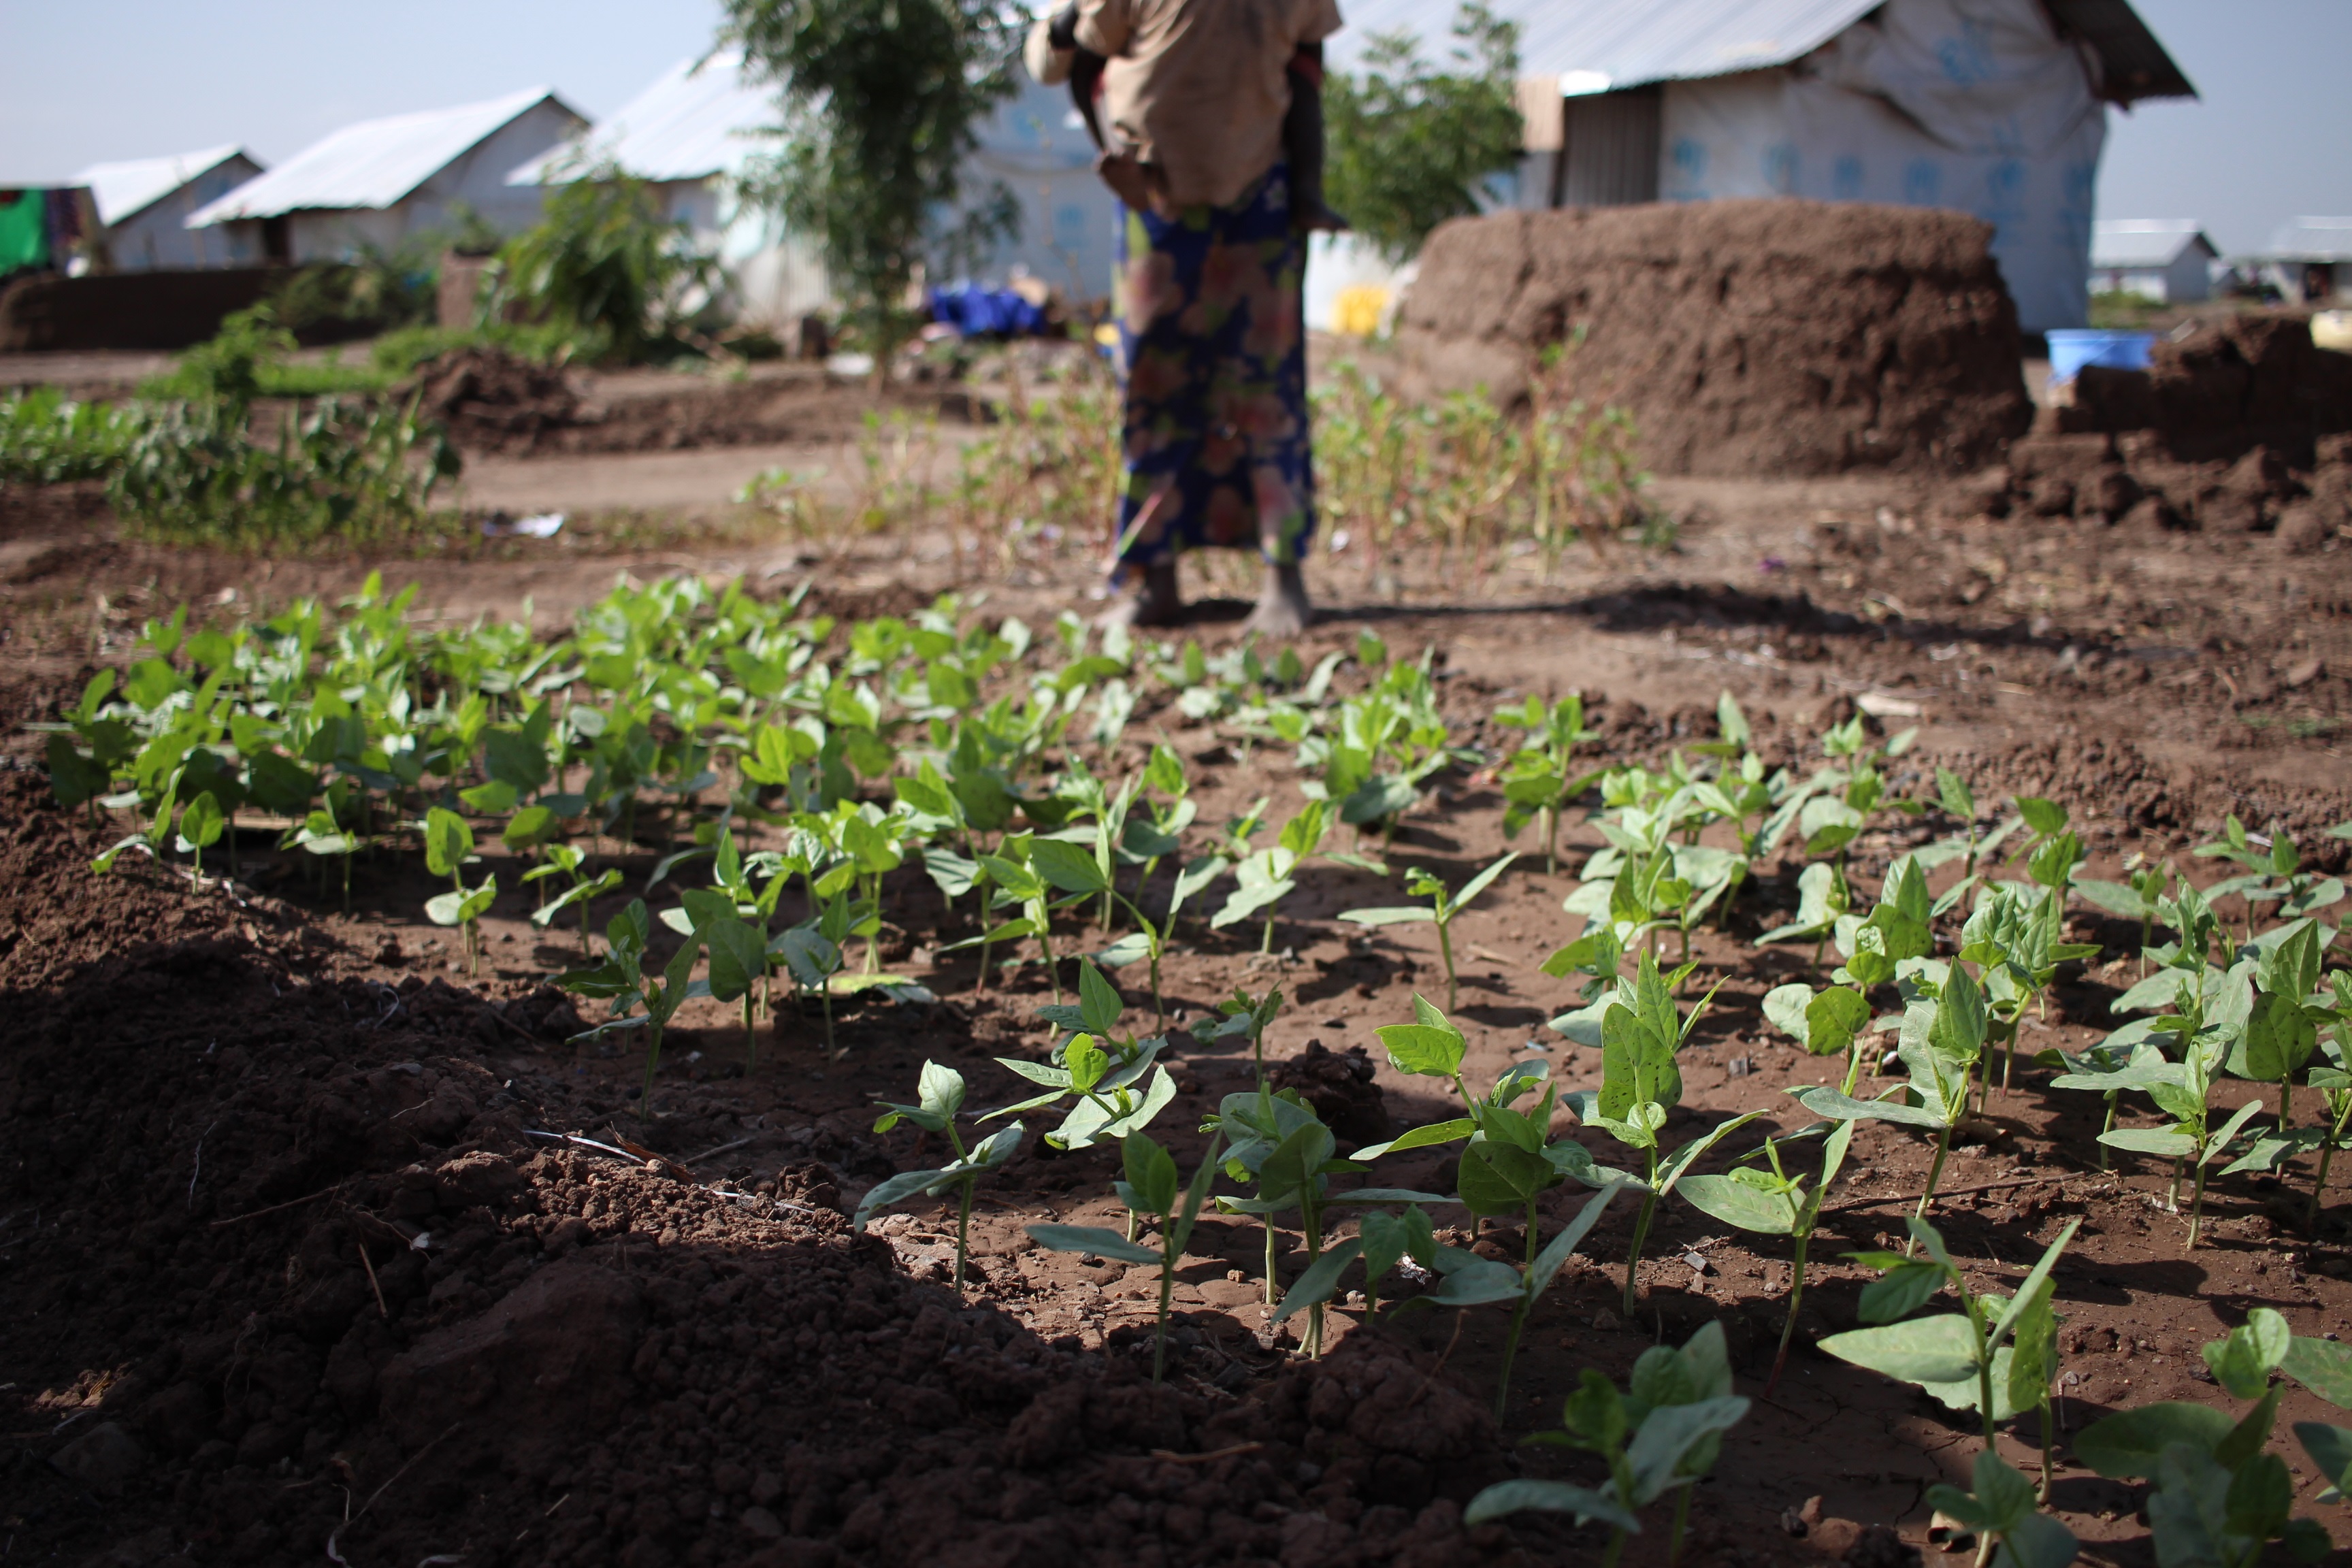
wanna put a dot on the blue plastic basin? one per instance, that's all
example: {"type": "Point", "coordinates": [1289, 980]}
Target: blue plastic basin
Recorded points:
{"type": "Point", "coordinates": [2072, 348]}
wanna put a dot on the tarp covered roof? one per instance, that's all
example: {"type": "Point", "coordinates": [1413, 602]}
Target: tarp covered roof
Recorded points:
{"type": "Point", "coordinates": [2312, 239]}
{"type": "Point", "coordinates": [1600, 45]}
{"type": "Point", "coordinates": [129, 186]}
{"type": "Point", "coordinates": [701, 118]}
{"type": "Point", "coordinates": [2136, 242]}
{"type": "Point", "coordinates": [373, 163]}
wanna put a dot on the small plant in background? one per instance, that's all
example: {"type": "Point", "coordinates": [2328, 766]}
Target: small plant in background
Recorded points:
{"type": "Point", "coordinates": [1774, 1204]}
{"type": "Point", "coordinates": [1538, 777]}
{"type": "Point", "coordinates": [1444, 904]}
{"type": "Point", "coordinates": [1247, 1015]}
{"type": "Point", "coordinates": [1149, 1192]}
{"type": "Point", "coordinates": [449, 846]}
{"type": "Point", "coordinates": [623, 980]}
{"type": "Point", "coordinates": [570, 860]}
{"type": "Point", "coordinates": [939, 1100]}
{"type": "Point", "coordinates": [1662, 1433]}
{"type": "Point", "coordinates": [1097, 1068]}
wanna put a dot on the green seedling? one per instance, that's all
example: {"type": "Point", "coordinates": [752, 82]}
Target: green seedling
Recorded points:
{"type": "Point", "coordinates": [449, 846]}
{"type": "Point", "coordinates": [202, 823]}
{"type": "Point", "coordinates": [812, 955]}
{"type": "Point", "coordinates": [320, 834]}
{"type": "Point", "coordinates": [1277, 1142]}
{"type": "Point", "coordinates": [2221, 1496]}
{"type": "Point", "coordinates": [1096, 1067]}
{"type": "Point", "coordinates": [2183, 1090]}
{"type": "Point", "coordinates": [570, 860]}
{"type": "Point", "coordinates": [1965, 1359]}
{"type": "Point", "coordinates": [1942, 1040]}
{"type": "Point", "coordinates": [1837, 1020]}
{"type": "Point", "coordinates": [1443, 905]}
{"type": "Point", "coordinates": [939, 1096]}
{"type": "Point", "coordinates": [1774, 1204]}
{"type": "Point", "coordinates": [1149, 1192]}
{"type": "Point", "coordinates": [2001, 1508]}
{"type": "Point", "coordinates": [2137, 899]}
{"type": "Point", "coordinates": [1641, 1031]}
{"type": "Point", "coordinates": [1539, 779]}
{"type": "Point", "coordinates": [623, 980]}
{"type": "Point", "coordinates": [1661, 1434]}
{"type": "Point", "coordinates": [1266, 877]}
{"type": "Point", "coordinates": [1247, 1015]}
{"type": "Point", "coordinates": [2282, 1032]}
{"type": "Point", "coordinates": [2274, 873]}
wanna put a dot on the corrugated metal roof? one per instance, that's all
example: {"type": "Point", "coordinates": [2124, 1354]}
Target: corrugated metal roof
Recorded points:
{"type": "Point", "coordinates": [701, 118]}
{"type": "Point", "coordinates": [2136, 242]}
{"type": "Point", "coordinates": [1598, 45]}
{"type": "Point", "coordinates": [130, 185]}
{"type": "Point", "coordinates": [373, 163]}
{"type": "Point", "coordinates": [2133, 64]}
{"type": "Point", "coordinates": [2312, 239]}
{"type": "Point", "coordinates": [1604, 44]}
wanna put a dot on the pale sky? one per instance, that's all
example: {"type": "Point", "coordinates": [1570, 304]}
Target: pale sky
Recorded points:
{"type": "Point", "coordinates": [93, 79]}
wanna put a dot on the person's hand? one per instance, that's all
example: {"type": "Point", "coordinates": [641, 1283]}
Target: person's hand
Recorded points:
{"type": "Point", "coordinates": [1143, 187]}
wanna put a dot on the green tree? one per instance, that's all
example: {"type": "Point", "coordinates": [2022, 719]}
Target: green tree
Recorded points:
{"type": "Point", "coordinates": [881, 101]}
{"type": "Point", "coordinates": [605, 266]}
{"type": "Point", "coordinates": [1412, 141]}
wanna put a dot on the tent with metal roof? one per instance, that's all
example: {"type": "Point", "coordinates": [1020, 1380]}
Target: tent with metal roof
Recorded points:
{"type": "Point", "coordinates": [381, 182]}
{"type": "Point", "coordinates": [2168, 260]}
{"type": "Point", "coordinates": [144, 204]}
{"type": "Point", "coordinates": [1996, 108]}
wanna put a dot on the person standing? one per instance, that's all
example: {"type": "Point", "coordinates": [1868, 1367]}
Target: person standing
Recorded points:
{"type": "Point", "coordinates": [1217, 450]}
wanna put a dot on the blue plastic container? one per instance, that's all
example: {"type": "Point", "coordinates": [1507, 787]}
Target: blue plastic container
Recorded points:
{"type": "Point", "coordinates": [2072, 348]}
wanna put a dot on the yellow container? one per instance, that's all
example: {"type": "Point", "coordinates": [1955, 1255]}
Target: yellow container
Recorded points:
{"type": "Point", "coordinates": [1358, 311]}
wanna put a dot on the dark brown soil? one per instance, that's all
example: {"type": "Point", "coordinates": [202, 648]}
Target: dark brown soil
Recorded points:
{"type": "Point", "coordinates": [492, 402]}
{"type": "Point", "coordinates": [591, 1360]}
{"type": "Point", "coordinates": [1748, 337]}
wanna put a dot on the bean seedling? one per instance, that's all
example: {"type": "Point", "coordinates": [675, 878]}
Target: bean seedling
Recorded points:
{"type": "Point", "coordinates": [939, 1099]}
{"type": "Point", "coordinates": [1444, 904]}
{"type": "Point", "coordinates": [1149, 1192]}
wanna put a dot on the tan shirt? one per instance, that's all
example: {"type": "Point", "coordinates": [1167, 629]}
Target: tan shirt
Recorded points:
{"type": "Point", "coordinates": [1198, 88]}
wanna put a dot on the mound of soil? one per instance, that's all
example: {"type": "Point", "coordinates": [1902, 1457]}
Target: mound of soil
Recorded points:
{"type": "Point", "coordinates": [491, 401]}
{"type": "Point", "coordinates": [2135, 477]}
{"type": "Point", "coordinates": [2222, 389]}
{"type": "Point", "coordinates": [1749, 338]}
{"type": "Point", "coordinates": [290, 1273]}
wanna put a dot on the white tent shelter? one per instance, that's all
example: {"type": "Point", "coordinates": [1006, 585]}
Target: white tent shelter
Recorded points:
{"type": "Point", "coordinates": [691, 135]}
{"type": "Point", "coordinates": [2165, 260]}
{"type": "Point", "coordinates": [144, 204]}
{"type": "Point", "coordinates": [1996, 108]}
{"type": "Point", "coordinates": [382, 181]}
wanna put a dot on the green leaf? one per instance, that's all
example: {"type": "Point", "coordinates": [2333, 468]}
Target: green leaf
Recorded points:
{"type": "Point", "coordinates": [1787, 1008]}
{"type": "Point", "coordinates": [1066, 865]}
{"type": "Point", "coordinates": [2330, 1448]}
{"type": "Point", "coordinates": [2243, 1363]}
{"type": "Point", "coordinates": [1554, 1256]}
{"type": "Point", "coordinates": [1094, 1239]}
{"type": "Point", "coordinates": [1150, 1172]}
{"type": "Point", "coordinates": [1098, 1001]}
{"type": "Point", "coordinates": [1900, 1291]}
{"type": "Point", "coordinates": [2322, 1366]}
{"type": "Point", "coordinates": [1321, 1280]}
{"type": "Point", "coordinates": [2037, 1541]}
{"type": "Point", "coordinates": [448, 841]}
{"type": "Point", "coordinates": [897, 1189]}
{"type": "Point", "coordinates": [2131, 1443]}
{"type": "Point", "coordinates": [1390, 915]}
{"type": "Point", "coordinates": [1666, 1437]}
{"type": "Point", "coordinates": [1832, 1019]}
{"type": "Point", "coordinates": [739, 957]}
{"type": "Point", "coordinates": [1740, 1204]}
{"type": "Point", "coordinates": [200, 822]}
{"type": "Point", "coordinates": [2043, 817]}
{"type": "Point", "coordinates": [1425, 1049]}
{"type": "Point", "coordinates": [1482, 882]}
{"type": "Point", "coordinates": [1926, 1349]}
{"type": "Point", "coordinates": [1825, 1101]}
{"type": "Point", "coordinates": [1507, 1498]}
{"type": "Point", "coordinates": [2151, 1140]}
{"type": "Point", "coordinates": [1430, 1136]}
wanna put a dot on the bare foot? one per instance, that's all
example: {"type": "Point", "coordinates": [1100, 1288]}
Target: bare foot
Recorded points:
{"type": "Point", "coordinates": [1154, 602]}
{"type": "Point", "coordinates": [1283, 609]}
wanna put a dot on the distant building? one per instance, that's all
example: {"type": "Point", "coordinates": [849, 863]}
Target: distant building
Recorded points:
{"type": "Point", "coordinates": [1037, 147]}
{"type": "Point", "coordinates": [380, 183]}
{"type": "Point", "coordinates": [144, 204]}
{"type": "Point", "coordinates": [691, 136]}
{"type": "Point", "coordinates": [1996, 108]}
{"type": "Point", "coordinates": [2311, 257]}
{"type": "Point", "coordinates": [2168, 260]}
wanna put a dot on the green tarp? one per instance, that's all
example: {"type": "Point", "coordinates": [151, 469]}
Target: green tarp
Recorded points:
{"type": "Point", "coordinates": [23, 233]}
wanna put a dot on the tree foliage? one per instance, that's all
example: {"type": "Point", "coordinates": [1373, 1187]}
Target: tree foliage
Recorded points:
{"type": "Point", "coordinates": [881, 102]}
{"type": "Point", "coordinates": [604, 267]}
{"type": "Point", "coordinates": [1413, 142]}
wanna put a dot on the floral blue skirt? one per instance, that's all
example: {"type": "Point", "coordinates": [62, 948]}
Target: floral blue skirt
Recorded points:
{"type": "Point", "coordinates": [1213, 350]}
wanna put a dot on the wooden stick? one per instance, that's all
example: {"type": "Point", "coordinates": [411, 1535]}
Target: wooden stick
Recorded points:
{"type": "Point", "coordinates": [1944, 1193]}
{"type": "Point", "coordinates": [712, 1154]}
{"type": "Point", "coordinates": [1167, 1457]}
{"type": "Point", "coordinates": [278, 1208]}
